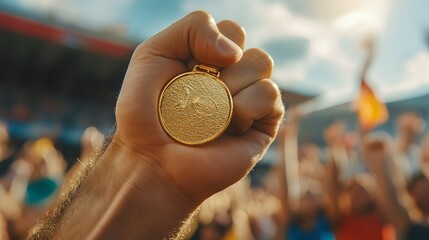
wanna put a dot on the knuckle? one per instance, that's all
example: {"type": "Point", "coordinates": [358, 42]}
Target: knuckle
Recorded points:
{"type": "Point", "coordinates": [142, 52]}
{"type": "Point", "coordinates": [140, 48]}
{"type": "Point", "coordinates": [230, 24]}
{"type": "Point", "coordinates": [260, 60]}
{"type": "Point", "coordinates": [269, 89]}
{"type": "Point", "coordinates": [200, 16]}
{"type": "Point", "coordinates": [232, 27]}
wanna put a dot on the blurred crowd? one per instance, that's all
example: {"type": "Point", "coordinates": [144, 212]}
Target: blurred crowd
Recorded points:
{"type": "Point", "coordinates": [360, 185]}
{"type": "Point", "coordinates": [33, 176]}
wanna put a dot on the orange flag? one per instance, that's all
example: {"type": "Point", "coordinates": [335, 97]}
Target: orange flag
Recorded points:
{"type": "Point", "coordinates": [371, 111]}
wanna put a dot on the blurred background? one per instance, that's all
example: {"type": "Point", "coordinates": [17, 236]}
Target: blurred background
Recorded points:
{"type": "Point", "coordinates": [364, 63]}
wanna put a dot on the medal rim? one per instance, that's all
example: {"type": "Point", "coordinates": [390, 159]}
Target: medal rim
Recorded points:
{"type": "Point", "coordinates": [230, 100]}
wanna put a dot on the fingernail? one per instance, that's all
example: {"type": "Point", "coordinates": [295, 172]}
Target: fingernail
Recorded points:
{"type": "Point", "coordinates": [226, 46]}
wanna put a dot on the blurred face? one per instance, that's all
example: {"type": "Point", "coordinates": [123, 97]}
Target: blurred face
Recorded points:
{"type": "Point", "coordinates": [410, 124]}
{"type": "Point", "coordinates": [309, 205]}
{"type": "Point", "coordinates": [420, 195]}
{"type": "Point", "coordinates": [310, 152]}
{"type": "Point", "coordinates": [34, 159]}
{"type": "Point", "coordinates": [334, 134]}
{"type": "Point", "coordinates": [92, 139]}
{"type": "Point", "coordinates": [360, 200]}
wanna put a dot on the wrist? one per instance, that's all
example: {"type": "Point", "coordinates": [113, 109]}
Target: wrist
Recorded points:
{"type": "Point", "coordinates": [146, 190]}
{"type": "Point", "coordinates": [127, 196]}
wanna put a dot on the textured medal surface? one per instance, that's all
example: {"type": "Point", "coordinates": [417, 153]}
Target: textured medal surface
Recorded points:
{"type": "Point", "coordinates": [195, 108]}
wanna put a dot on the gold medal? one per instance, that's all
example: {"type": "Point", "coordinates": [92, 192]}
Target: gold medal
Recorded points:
{"type": "Point", "coordinates": [195, 107]}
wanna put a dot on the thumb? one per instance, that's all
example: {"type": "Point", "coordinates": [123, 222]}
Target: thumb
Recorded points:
{"type": "Point", "coordinates": [194, 36]}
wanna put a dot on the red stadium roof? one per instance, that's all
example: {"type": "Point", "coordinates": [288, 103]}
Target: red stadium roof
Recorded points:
{"type": "Point", "coordinates": [64, 36]}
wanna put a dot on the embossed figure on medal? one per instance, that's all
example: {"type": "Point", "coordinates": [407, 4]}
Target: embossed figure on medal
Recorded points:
{"type": "Point", "coordinates": [195, 107]}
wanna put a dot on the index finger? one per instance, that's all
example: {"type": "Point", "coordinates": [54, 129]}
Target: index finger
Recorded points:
{"type": "Point", "coordinates": [194, 36]}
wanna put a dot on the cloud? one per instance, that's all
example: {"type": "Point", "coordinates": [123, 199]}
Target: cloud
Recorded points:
{"type": "Point", "coordinates": [297, 44]}
{"type": "Point", "coordinates": [40, 5]}
{"type": "Point", "coordinates": [417, 69]}
{"type": "Point", "coordinates": [416, 79]}
{"type": "Point", "coordinates": [329, 10]}
{"type": "Point", "coordinates": [287, 49]}
{"type": "Point", "coordinates": [315, 44]}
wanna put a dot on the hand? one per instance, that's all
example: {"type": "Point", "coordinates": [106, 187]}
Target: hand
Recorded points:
{"type": "Point", "coordinates": [91, 140]}
{"type": "Point", "coordinates": [378, 155]}
{"type": "Point", "coordinates": [146, 178]}
{"type": "Point", "coordinates": [334, 134]}
{"type": "Point", "coordinates": [410, 125]}
{"type": "Point", "coordinates": [198, 171]}
{"type": "Point", "coordinates": [376, 148]}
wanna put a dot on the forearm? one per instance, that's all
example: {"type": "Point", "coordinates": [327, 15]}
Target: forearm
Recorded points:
{"type": "Point", "coordinates": [123, 197]}
{"type": "Point", "coordinates": [288, 168]}
{"type": "Point", "coordinates": [332, 184]}
{"type": "Point", "coordinates": [291, 169]}
{"type": "Point", "coordinates": [387, 195]}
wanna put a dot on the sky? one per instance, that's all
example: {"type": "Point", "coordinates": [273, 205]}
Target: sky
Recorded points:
{"type": "Point", "coordinates": [317, 45]}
